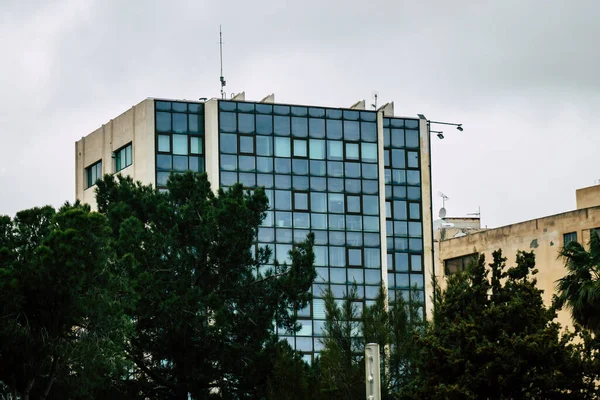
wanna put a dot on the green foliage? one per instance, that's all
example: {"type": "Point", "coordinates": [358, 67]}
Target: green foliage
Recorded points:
{"type": "Point", "coordinates": [59, 301]}
{"type": "Point", "coordinates": [579, 290]}
{"type": "Point", "coordinates": [202, 302]}
{"type": "Point", "coordinates": [494, 338]}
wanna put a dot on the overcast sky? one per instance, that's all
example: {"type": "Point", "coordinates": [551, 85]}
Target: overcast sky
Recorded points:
{"type": "Point", "coordinates": [522, 76]}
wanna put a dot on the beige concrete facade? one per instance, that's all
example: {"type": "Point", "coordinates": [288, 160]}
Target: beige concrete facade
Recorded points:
{"type": "Point", "coordinates": [588, 197]}
{"type": "Point", "coordinates": [545, 236]}
{"type": "Point", "coordinates": [135, 126]}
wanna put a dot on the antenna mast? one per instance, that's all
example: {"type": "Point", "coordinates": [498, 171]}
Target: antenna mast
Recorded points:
{"type": "Point", "coordinates": [222, 78]}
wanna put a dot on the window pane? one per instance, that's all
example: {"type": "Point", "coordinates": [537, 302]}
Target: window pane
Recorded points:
{"type": "Point", "coordinates": [353, 185]}
{"type": "Point", "coordinates": [180, 144]}
{"type": "Point", "coordinates": [352, 169]}
{"type": "Point", "coordinates": [336, 203]}
{"type": "Point", "coordinates": [228, 143]}
{"type": "Point", "coordinates": [246, 163]}
{"type": "Point", "coordinates": [264, 146]}
{"type": "Point", "coordinates": [227, 122]}
{"type": "Point", "coordinates": [317, 149]}
{"type": "Point", "coordinates": [355, 257]}
{"type": "Point", "coordinates": [400, 210]}
{"type": "Point", "coordinates": [301, 220]}
{"type": "Point", "coordinates": [415, 229]}
{"type": "Point", "coordinates": [414, 211]}
{"type": "Point", "coordinates": [371, 224]}
{"type": "Point", "coordinates": [300, 148]}
{"type": "Point", "coordinates": [164, 162]}
{"type": "Point", "coordinates": [416, 262]}
{"type": "Point", "coordinates": [316, 127]}
{"type": "Point", "coordinates": [283, 181]}
{"type": "Point", "coordinates": [196, 164]}
{"type": "Point", "coordinates": [283, 165]}
{"type": "Point", "coordinates": [264, 180]}
{"type": "Point", "coordinates": [193, 123]}
{"type": "Point", "coordinates": [351, 130]}
{"type": "Point", "coordinates": [196, 145]}
{"type": "Point", "coordinates": [180, 163]}
{"type": "Point", "coordinates": [283, 219]}
{"type": "Point", "coordinates": [413, 159]}
{"type": "Point", "coordinates": [228, 178]}
{"type": "Point", "coordinates": [413, 177]}
{"type": "Point", "coordinates": [371, 205]}
{"type": "Point", "coordinates": [353, 204]}
{"type": "Point", "coordinates": [397, 137]}
{"type": "Point", "coordinates": [283, 200]}
{"type": "Point", "coordinates": [369, 171]}
{"type": "Point", "coordinates": [335, 150]}
{"type": "Point", "coordinates": [282, 147]}
{"type": "Point", "coordinates": [162, 178]}
{"type": "Point", "coordinates": [412, 138]}
{"type": "Point", "coordinates": [318, 221]}
{"type": "Point", "coordinates": [163, 122]}
{"type": "Point", "coordinates": [318, 184]}
{"type": "Point", "coordinates": [163, 105]}
{"type": "Point", "coordinates": [246, 144]}
{"type": "Point", "coordinates": [248, 180]}
{"type": "Point", "coordinates": [299, 126]}
{"type": "Point", "coordinates": [300, 167]}
{"type": "Point", "coordinates": [300, 182]}
{"type": "Point", "coordinates": [164, 143]}
{"type": "Point", "coordinates": [335, 184]}
{"type": "Point", "coordinates": [264, 164]}
{"type": "Point", "coordinates": [368, 131]}
{"type": "Point", "coordinates": [264, 124]}
{"type": "Point", "coordinates": [301, 201]}
{"type": "Point", "coordinates": [336, 221]}
{"type": "Point", "coordinates": [337, 256]}
{"type": "Point", "coordinates": [179, 123]}
{"type": "Point", "coordinates": [372, 258]}
{"type": "Point", "coordinates": [246, 123]}
{"type": "Point", "coordinates": [228, 162]}
{"type": "Point", "coordinates": [369, 152]}
{"type": "Point", "coordinates": [398, 159]}
{"type": "Point", "coordinates": [318, 202]}
{"type": "Point", "coordinates": [334, 129]}
{"type": "Point", "coordinates": [352, 151]}
{"type": "Point", "coordinates": [354, 222]}
{"type": "Point", "coordinates": [281, 125]}
{"type": "Point", "coordinates": [337, 275]}
{"type": "Point", "coordinates": [335, 169]}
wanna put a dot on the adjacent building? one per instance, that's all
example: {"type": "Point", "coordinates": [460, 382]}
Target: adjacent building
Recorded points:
{"type": "Point", "coordinates": [359, 179]}
{"type": "Point", "coordinates": [460, 240]}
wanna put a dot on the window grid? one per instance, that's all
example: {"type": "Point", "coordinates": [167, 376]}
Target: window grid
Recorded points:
{"type": "Point", "coordinates": [93, 173]}
{"type": "Point", "coordinates": [179, 139]}
{"type": "Point", "coordinates": [301, 159]}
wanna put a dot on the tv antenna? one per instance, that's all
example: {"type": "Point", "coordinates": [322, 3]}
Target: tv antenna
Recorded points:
{"type": "Point", "coordinates": [375, 97]}
{"type": "Point", "coordinates": [222, 78]}
{"type": "Point", "coordinates": [478, 213]}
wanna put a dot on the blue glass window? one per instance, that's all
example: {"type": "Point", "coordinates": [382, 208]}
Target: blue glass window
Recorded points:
{"type": "Point", "coordinates": [351, 130]}
{"type": "Point", "coordinates": [300, 148]}
{"type": "Point", "coordinates": [317, 149]}
{"type": "Point", "coordinates": [336, 221]}
{"type": "Point", "coordinates": [264, 164]}
{"type": "Point", "coordinates": [398, 159]}
{"type": "Point", "coordinates": [246, 123]}
{"type": "Point", "coordinates": [372, 258]}
{"type": "Point", "coordinates": [283, 219]}
{"type": "Point", "coordinates": [180, 123]}
{"type": "Point", "coordinates": [351, 114]}
{"type": "Point", "coordinates": [248, 180]}
{"type": "Point", "coordinates": [193, 124]}
{"type": "Point", "coordinates": [354, 222]}
{"type": "Point", "coordinates": [336, 203]}
{"type": "Point", "coordinates": [334, 129]}
{"type": "Point", "coordinates": [414, 211]}
{"type": "Point", "coordinates": [164, 143]}
{"type": "Point", "coordinates": [416, 262]}
{"type": "Point", "coordinates": [352, 152]}
{"type": "Point", "coordinates": [318, 184]}
{"type": "Point", "coordinates": [353, 204]}
{"type": "Point", "coordinates": [281, 110]}
{"type": "Point", "coordinates": [264, 146]}
{"type": "Point", "coordinates": [282, 147]}
{"type": "Point", "coordinates": [397, 137]}
{"type": "Point", "coordinates": [415, 244]}
{"type": "Point", "coordinates": [413, 193]}
{"type": "Point", "coordinates": [300, 182]}
{"type": "Point", "coordinates": [400, 210]}
{"type": "Point", "coordinates": [372, 277]}
{"type": "Point", "coordinates": [283, 165]}
{"type": "Point", "coordinates": [369, 171]}
{"type": "Point", "coordinates": [335, 168]}
{"type": "Point", "coordinates": [264, 180]}
{"type": "Point", "coordinates": [301, 201]}
{"type": "Point", "coordinates": [264, 108]}
{"type": "Point", "coordinates": [370, 186]}
{"type": "Point", "coordinates": [368, 131]}
{"type": "Point", "coordinates": [301, 220]}
{"type": "Point", "coordinates": [228, 163]}
{"type": "Point", "coordinates": [413, 159]}
{"type": "Point", "coordinates": [197, 164]}
{"type": "Point", "coordinates": [227, 105]}
{"type": "Point", "coordinates": [162, 178]}
{"type": "Point", "coordinates": [352, 169]}
{"type": "Point", "coordinates": [266, 234]}
{"type": "Point", "coordinates": [283, 200]}
{"type": "Point", "coordinates": [246, 164]}
{"type": "Point", "coordinates": [318, 168]}
{"type": "Point", "coordinates": [398, 177]}
{"type": "Point", "coordinates": [335, 150]}
{"type": "Point", "coordinates": [245, 107]}
{"type": "Point", "coordinates": [318, 221]}
{"type": "Point", "coordinates": [337, 256]}
{"type": "Point", "coordinates": [369, 152]}
{"type": "Point", "coordinates": [228, 178]}
{"type": "Point", "coordinates": [413, 177]}
{"type": "Point", "coordinates": [400, 228]}
{"type": "Point", "coordinates": [180, 144]}
{"type": "Point", "coordinates": [195, 145]}
{"type": "Point", "coordinates": [164, 162]}
{"type": "Point", "coordinates": [300, 167]}
{"type": "Point", "coordinates": [371, 224]}
{"type": "Point", "coordinates": [337, 238]}
{"type": "Point", "coordinates": [281, 125]}
{"type": "Point", "coordinates": [299, 127]}
{"type": "Point", "coordinates": [353, 185]}
{"type": "Point", "coordinates": [228, 143]}
{"type": "Point", "coordinates": [264, 124]}
{"type": "Point", "coordinates": [227, 122]}
{"type": "Point", "coordinates": [370, 205]}
{"type": "Point", "coordinates": [412, 138]}
{"type": "Point", "coordinates": [246, 144]}
{"type": "Point", "coordinates": [299, 111]}
{"type": "Point", "coordinates": [415, 229]}
{"type": "Point", "coordinates": [337, 275]}
{"type": "Point", "coordinates": [163, 105]}
{"type": "Point", "coordinates": [316, 127]}
{"type": "Point", "coordinates": [283, 181]}
{"type": "Point", "coordinates": [163, 122]}
{"type": "Point", "coordinates": [355, 275]}
{"type": "Point", "coordinates": [180, 163]}
{"type": "Point", "coordinates": [318, 202]}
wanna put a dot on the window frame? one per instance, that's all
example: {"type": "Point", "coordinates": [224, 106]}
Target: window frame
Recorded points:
{"type": "Point", "coordinates": [88, 169]}
{"type": "Point", "coordinates": [117, 156]}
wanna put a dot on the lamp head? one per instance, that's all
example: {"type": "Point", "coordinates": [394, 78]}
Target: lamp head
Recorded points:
{"type": "Point", "coordinates": [440, 135]}
{"type": "Point", "coordinates": [460, 128]}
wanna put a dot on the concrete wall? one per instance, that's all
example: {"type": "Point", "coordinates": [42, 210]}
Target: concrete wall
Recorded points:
{"type": "Point", "coordinates": [136, 125]}
{"type": "Point", "coordinates": [211, 137]}
{"type": "Point", "coordinates": [588, 197]}
{"type": "Point", "coordinates": [427, 213]}
{"type": "Point", "coordinates": [544, 236]}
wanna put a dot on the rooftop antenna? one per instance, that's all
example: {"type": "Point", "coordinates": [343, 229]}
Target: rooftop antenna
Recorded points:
{"type": "Point", "coordinates": [375, 97]}
{"type": "Point", "coordinates": [222, 78]}
{"type": "Point", "coordinates": [478, 213]}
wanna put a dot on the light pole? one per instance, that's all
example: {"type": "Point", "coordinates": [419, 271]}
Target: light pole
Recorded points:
{"type": "Point", "coordinates": [440, 135]}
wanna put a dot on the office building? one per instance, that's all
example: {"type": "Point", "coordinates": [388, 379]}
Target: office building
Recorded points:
{"type": "Point", "coordinates": [359, 179]}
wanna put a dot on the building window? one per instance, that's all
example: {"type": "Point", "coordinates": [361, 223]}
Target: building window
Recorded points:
{"type": "Point", "coordinates": [123, 158]}
{"type": "Point", "coordinates": [569, 237]}
{"type": "Point", "coordinates": [459, 264]}
{"type": "Point", "coordinates": [93, 173]}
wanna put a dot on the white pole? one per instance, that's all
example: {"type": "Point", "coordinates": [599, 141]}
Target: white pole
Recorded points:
{"type": "Point", "coordinates": [372, 371]}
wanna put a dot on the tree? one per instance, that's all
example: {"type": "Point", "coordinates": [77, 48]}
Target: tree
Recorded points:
{"type": "Point", "coordinates": [60, 315]}
{"type": "Point", "coordinates": [579, 289]}
{"type": "Point", "coordinates": [494, 338]}
{"type": "Point", "coordinates": [204, 300]}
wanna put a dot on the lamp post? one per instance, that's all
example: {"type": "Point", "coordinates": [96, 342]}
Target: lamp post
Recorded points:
{"type": "Point", "coordinates": [440, 135]}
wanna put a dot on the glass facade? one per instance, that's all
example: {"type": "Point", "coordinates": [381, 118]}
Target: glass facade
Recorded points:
{"type": "Point", "coordinates": [179, 139]}
{"type": "Point", "coordinates": [319, 169]}
{"type": "Point", "coordinates": [403, 207]}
